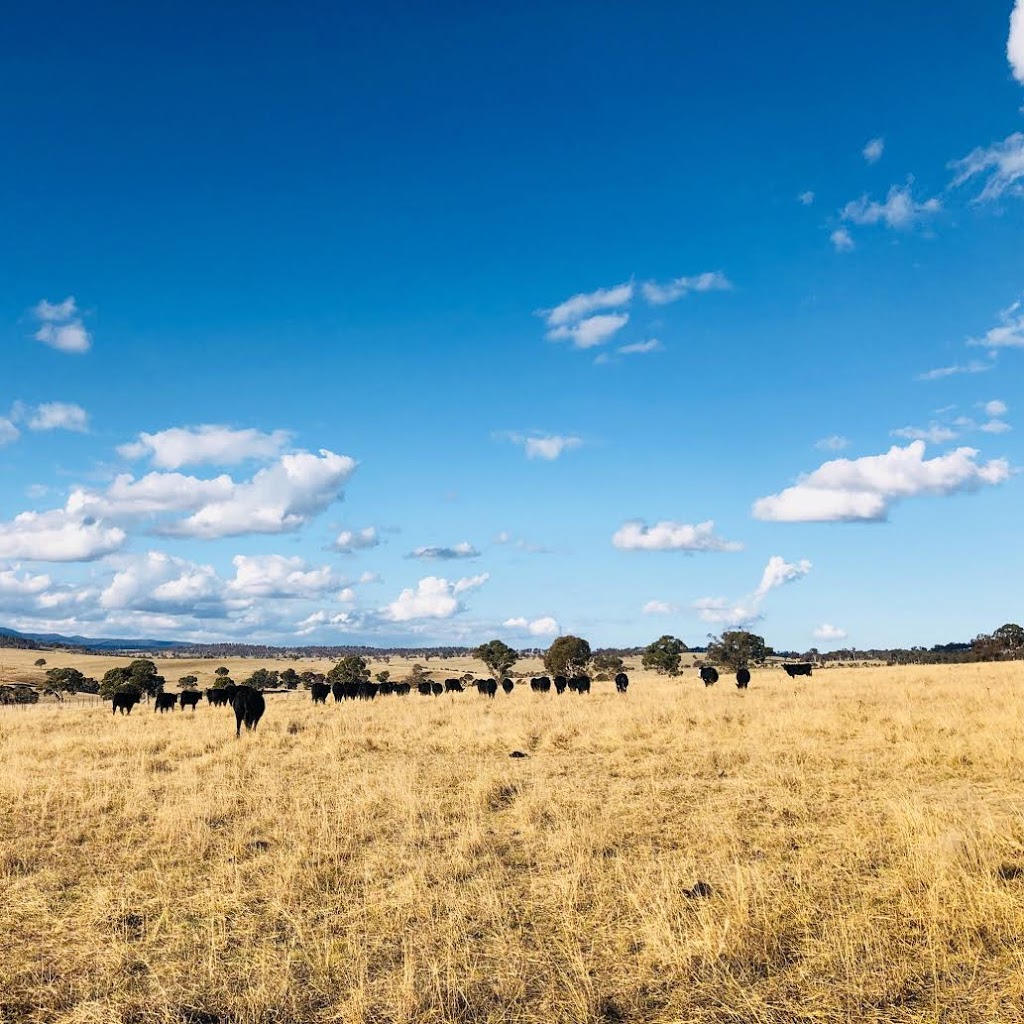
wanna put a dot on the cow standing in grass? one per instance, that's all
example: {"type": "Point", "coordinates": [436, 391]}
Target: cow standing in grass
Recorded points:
{"type": "Point", "coordinates": [189, 699]}
{"type": "Point", "coordinates": [248, 705]}
{"type": "Point", "coordinates": [165, 702]}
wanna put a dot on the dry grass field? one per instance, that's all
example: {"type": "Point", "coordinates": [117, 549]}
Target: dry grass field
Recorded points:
{"type": "Point", "coordinates": [862, 833]}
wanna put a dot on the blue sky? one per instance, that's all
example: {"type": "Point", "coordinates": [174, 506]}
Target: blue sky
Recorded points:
{"type": "Point", "coordinates": [426, 326]}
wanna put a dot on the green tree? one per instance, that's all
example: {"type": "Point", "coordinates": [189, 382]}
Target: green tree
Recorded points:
{"type": "Point", "coordinates": [384, 676]}
{"type": "Point", "coordinates": [290, 678]}
{"type": "Point", "coordinates": [64, 680]}
{"type": "Point", "coordinates": [736, 649]}
{"type": "Point", "coordinates": [261, 679]}
{"type": "Point", "coordinates": [222, 671]}
{"type": "Point", "coordinates": [664, 655]}
{"type": "Point", "coordinates": [351, 669]}
{"type": "Point", "coordinates": [187, 682]}
{"type": "Point", "coordinates": [608, 664]}
{"type": "Point", "coordinates": [1010, 638]}
{"type": "Point", "coordinates": [145, 677]}
{"type": "Point", "coordinates": [497, 656]}
{"type": "Point", "coordinates": [40, 662]}
{"type": "Point", "coordinates": [567, 656]}
{"type": "Point", "coordinates": [117, 680]}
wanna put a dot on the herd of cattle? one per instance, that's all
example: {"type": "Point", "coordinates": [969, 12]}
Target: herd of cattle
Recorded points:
{"type": "Point", "coordinates": [249, 704]}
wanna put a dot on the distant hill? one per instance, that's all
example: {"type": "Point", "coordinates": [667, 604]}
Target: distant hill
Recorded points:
{"type": "Point", "coordinates": [13, 638]}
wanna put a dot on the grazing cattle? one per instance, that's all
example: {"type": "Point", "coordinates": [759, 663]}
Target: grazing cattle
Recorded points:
{"type": "Point", "coordinates": [319, 692]}
{"type": "Point", "coordinates": [217, 696]}
{"type": "Point", "coordinates": [490, 687]}
{"type": "Point", "coordinates": [165, 702]}
{"type": "Point", "coordinates": [743, 678]}
{"type": "Point", "coordinates": [403, 689]}
{"type": "Point", "coordinates": [453, 686]}
{"type": "Point", "coordinates": [229, 693]}
{"type": "Point", "coordinates": [583, 684]}
{"type": "Point", "coordinates": [124, 702]}
{"type": "Point", "coordinates": [800, 669]}
{"type": "Point", "coordinates": [338, 690]}
{"type": "Point", "coordinates": [709, 675]}
{"type": "Point", "coordinates": [423, 688]}
{"type": "Point", "coordinates": [248, 705]}
{"type": "Point", "coordinates": [622, 682]}
{"type": "Point", "coordinates": [507, 685]}
{"type": "Point", "coordinates": [436, 689]}
{"type": "Point", "coordinates": [189, 699]}
{"type": "Point", "coordinates": [560, 684]}
{"type": "Point", "coordinates": [368, 691]}
{"type": "Point", "coordinates": [386, 687]}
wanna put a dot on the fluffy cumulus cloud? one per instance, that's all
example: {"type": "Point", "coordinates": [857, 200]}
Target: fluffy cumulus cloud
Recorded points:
{"type": "Point", "coordinates": [1008, 333]}
{"type": "Point", "coordinates": [1015, 41]}
{"type": "Point", "coordinates": [658, 608]}
{"type": "Point", "coordinates": [538, 445]}
{"type": "Point", "coordinates": [432, 598]}
{"type": "Point", "coordinates": [999, 169]}
{"type": "Point", "coordinates": [996, 407]}
{"type": "Point", "coordinates": [842, 240]}
{"type": "Point", "coordinates": [545, 626]}
{"type": "Point", "coordinates": [207, 444]}
{"type": "Point", "coordinates": [349, 541]}
{"type": "Point", "coordinates": [57, 536]}
{"type": "Point", "coordinates": [446, 554]}
{"type": "Point", "coordinates": [279, 576]}
{"type": "Point", "coordinates": [161, 583]}
{"type": "Point", "coordinates": [873, 150]}
{"type": "Point", "coordinates": [720, 611]}
{"type": "Point", "coordinates": [57, 416]}
{"type": "Point", "coordinates": [61, 326]}
{"type": "Point", "coordinates": [899, 210]}
{"type": "Point", "coordinates": [661, 294]}
{"type": "Point", "coordinates": [635, 535]}
{"type": "Point", "coordinates": [848, 490]}
{"type": "Point", "coordinates": [829, 633]}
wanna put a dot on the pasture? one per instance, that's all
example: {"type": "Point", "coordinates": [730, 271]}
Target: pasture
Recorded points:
{"type": "Point", "coordinates": [860, 834]}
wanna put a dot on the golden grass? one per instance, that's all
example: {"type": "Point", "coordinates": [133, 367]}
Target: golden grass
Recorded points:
{"type": "Point", "coordinates": [388, 862]}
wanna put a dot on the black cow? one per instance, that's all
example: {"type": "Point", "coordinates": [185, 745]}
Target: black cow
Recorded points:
{"type": "Point", "coordinates": [709, 675]}
{"type": "Point", "coordinates": [743, 678]}
{"type": "Point", "coordinates": [124, 702]}
{"type": "Point", "coordinates": [622, 682]}
{"type": "Point", "coordinates": [507, 685]}
{"type": "Point", "coordinates": [490, 687]}
{"type": "Point", "coordinates": [189, 699]}
{"type": "Point", "coordinates": [560, 684]}
{"type": "Point", "coordinates": [165, 702]}
{"type": "Point", "coordinates": [423, 688]}
{"type": "Point", "coordinates": [436, 689]}
{"type": "Point", "coordinates": [217, 696]}
{"type": "Point", "coordinates": [368, 691]}
{"type": "Point", "coordinates": [229, 693]}
{"type": "Point", "coordinates": [338, 689]}
{"type": "Point", "coordinates": [453, 686]}
{"type": "Point", "coordinates": [800, 669]}
{"type": "Point", "coordinates": [248, 705]}
{"type": "Point", "coordinates": [583, 684]}
{"type": "Point", "coordinates": [387, 687]}
{"type": "Point", "coordinates": [319, 692]}
{"type": "Point", "coordinates": [403, 689]}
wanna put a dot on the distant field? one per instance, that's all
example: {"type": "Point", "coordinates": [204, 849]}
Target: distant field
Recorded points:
{"type": "Point", "coordinates": [862, 834]}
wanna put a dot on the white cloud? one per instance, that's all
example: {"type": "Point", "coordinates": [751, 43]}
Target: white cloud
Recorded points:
{"type": "Point", "coordinates": [661, 294]}
{"type": "Point", "coordinates": [934, 434]}
{"type": "Point", "coordinates": [975, 366]}
{"type": "Point", "coordinates": [57, 536]}
{"type": "Point", "coordinates": [827, 632]}
{"type": "Point", "coordinates": [8, 432]}
{"type": "Point", "coordinates": [349, 541]}
{"type": "Point", "coordinates": [579, 306]}
{"type": "Point", "coordinates": [996, 407]}
{"type": "Point", "coordinates": [805, 198]}
{"type": "Point", "coordinates": [1000, 166]}
{"type": "Point", "coordinates": [900, 209]}
{"type": "Point", "coordinates": [345, 622]}
{"type": "Point", "coordinates": [25, 585]}
{"type": "Point", "coordinates": [546, 626]}
{"type": "Point", "coordinates": [593, 331]}
{"type": "Point", "coordinates": [61, 327]}
{"type": "Point", "coordinates": [842, 240]}
{"type": "Point", "coordinates": [58, 416]}
{"type": "Point", "coordinates": [1008, 333]}
{"type": "Point", "coordinates": [461, 550]}
{"type": "Point", "coordinates": [995, 427]}
{"type": "Point", "coordinates": [211, 444]}
{"type": "Point", "coordinates": [721, 612]}
{"type": "Point", "coordinates": [777, 572]}
{"type": "Point", "coordinates": [846, 490]}
{"type": "Point", "coordinates": [432, 598]}
{"type": "Point", "coordinates": [658, 608]}
{"type": "Point", "coordinates": [832, 443]}
{"type": "Point", "coordinates": [368, 577]}
{"type": "Point", "coordinates": [280, 576]}
{"type": "Point", "coordinates": [1015, 41]}
{"type": "Point", "coordinates": [635, 535]}
{"type": "Point", "coordinates": [640, 348]}
{"type": "Point", "coordinates": [161, 583]}
{"type": "Point", "coordinates": [873, 150]}
{"type": "Point", "coordinates": [543, 446]}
